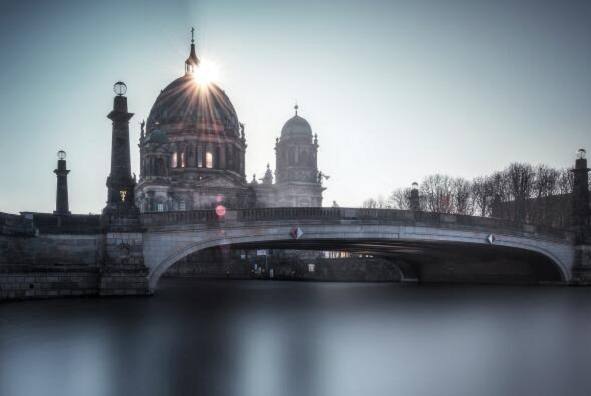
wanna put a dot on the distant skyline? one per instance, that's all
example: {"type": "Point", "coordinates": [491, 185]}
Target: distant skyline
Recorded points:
{"type": "Point", "coordinates": [395, 90]}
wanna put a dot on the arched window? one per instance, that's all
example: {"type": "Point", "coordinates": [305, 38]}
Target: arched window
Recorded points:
{"type": "Point", "coordinates": [303, 159]}
{"type": "Point", "coordinates": [236, 159]}
{"type": "Point", "coordinates": [200, 156]}
{"type": "Point", "coordinates": [229, 158]}
{"type": "Point", "coordinates": [208, 159]}
{"type": "Point", "coordinates": [216, 158]}
{"type": "Point", "coordinates": [160, 167]}
{"type": "Point", "coordinates": [183, 164]}
{"type": "Point", "coordinates": [291, 156]}
{"type": "Point", "coordinates": [174, 160]}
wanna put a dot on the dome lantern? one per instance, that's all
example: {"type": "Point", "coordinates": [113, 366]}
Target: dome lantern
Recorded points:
{"type": "Point", "coordinates": [192, 61]}
{"type": "Point", "coordinates": [120, 88]}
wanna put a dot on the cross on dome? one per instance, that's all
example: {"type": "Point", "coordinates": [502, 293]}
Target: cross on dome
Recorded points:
{"type": "Point", "coordinates": [192, 61]}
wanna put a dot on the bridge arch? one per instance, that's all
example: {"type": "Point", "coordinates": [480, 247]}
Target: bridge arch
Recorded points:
{"type": "Point", "coordinates": [163, 248]}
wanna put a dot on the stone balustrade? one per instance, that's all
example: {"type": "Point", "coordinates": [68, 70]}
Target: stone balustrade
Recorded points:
{"type": "Point", "coordinates": [330, 215]}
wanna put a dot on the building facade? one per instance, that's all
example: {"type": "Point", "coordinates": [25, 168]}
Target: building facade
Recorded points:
{"type": "Point", "coordinates": [193, 149]}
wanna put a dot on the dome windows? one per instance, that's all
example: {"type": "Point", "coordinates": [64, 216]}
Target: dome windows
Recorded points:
{"type": "Point", "coordinates": [178, 159]}
{"type": "Point", "coordinates": [200, 156]}
{"type": "Point", "coordinates": [208, 159]}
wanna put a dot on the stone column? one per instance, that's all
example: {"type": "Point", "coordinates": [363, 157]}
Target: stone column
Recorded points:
{"type": "Point", "coordinates": [415, 203]}
{"type": "Point", "coordinates": [580, 195]}
{"type": "Point", "coordinates": [120, 184]}
{"type": "Point", "coordinates": [580, 221]}
{"type": "Point", "coordinates": [122, 269]}
{"type": "Point", "coordinates": [61, 198]}
{"type": "Point", "coordinates": [241, 167]}
{"type": "Point", "coordinates": [222, 150]}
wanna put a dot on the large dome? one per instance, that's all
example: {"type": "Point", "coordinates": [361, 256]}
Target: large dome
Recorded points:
{"type": "Point", "coordinates": [296, 127]}
{"type": "Point", "coordinates": [186, 103]}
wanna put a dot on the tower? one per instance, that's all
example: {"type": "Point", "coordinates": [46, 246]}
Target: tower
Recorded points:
{"type": "Point", "coordinates": [298, 181]}
{"type": "Point", "coordinates": [580, 221]}
{"type": "Point", "coordinates": [414, 197]}
{"type": "Point", "coordinates": [61, 197]}
{"type": "Point", "coordinates": [580, 198]}
{"type": "Point", "coordinates": [120, 184]}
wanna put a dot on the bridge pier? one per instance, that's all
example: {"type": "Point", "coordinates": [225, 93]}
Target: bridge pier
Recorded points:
{"type": "Point", "coordinates": [581, 221]}
{"type": "Point", "coordinates": [123, 271]}
{"type": "Point", "coordinates": [581, 272]}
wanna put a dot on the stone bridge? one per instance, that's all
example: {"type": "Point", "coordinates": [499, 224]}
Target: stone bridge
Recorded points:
{"type": "Point", "coordinates": [412, 239]}
{"type": "Point", "coordinates": [39, 251]}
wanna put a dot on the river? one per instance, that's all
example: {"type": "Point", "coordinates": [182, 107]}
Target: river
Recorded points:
{"type": "Point", "coordinates": [301, 338]}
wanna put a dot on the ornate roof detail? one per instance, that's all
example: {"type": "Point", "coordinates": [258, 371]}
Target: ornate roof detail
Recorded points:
{"type": "Point", "coordinates": [192, 61]}
{"type": "Point", "coordinates": [296, 127]}
{"type": "Point", "coordinates": [268, 178]}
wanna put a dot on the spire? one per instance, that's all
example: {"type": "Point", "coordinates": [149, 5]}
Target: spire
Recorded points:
{"type": "Point", "coordinates": [296, 107]}
{"type": "Point", "coordinates": [192, 61]}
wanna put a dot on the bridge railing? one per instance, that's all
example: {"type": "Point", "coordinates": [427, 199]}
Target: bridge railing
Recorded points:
{"type": "Point", "coordinates": [210, 217]}
{"type": "Point", "coordinates": [179, 217]}
{"type": "Point", "coordinates": [261, 214]}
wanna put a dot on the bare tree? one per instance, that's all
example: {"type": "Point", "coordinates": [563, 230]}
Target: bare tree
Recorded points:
{"type": "Point", "coordinates": [542, 208]}
{"type": "Point", "coordinates": [461, 196]}
{"type": "Point", "coordinates": [565, 182]}
{"type": "Point", "coordinates": [437, 193]}
{"type": "Point", "coordinates": [546, 181]}
{"type": "Point", "coordinates": [520, 193]}
{"type": "Point", "coordinates": [400, 198]}
{"type": "Point", "coordinates": [482, 195]}
{"type": "Point", "coordinates": [370, 203]}
{"type": "Point", "coordinates": [499, 194]}
{"type": "Point", "coordinates": [520, 178]}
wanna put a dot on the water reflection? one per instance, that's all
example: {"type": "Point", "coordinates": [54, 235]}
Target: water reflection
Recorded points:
{"type": "Point", "coordinates": [281, 338]}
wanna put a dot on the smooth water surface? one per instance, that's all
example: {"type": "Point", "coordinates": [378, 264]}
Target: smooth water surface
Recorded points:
{"type": "Point", "coordinates": [286, 338]}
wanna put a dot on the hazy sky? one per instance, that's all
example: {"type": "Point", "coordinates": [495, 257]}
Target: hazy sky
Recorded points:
{"type": "Point", "coordinates": [396, 90]}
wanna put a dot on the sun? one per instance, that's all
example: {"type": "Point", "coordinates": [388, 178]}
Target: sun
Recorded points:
{"type": "Point", "coordinates": [207, 72]}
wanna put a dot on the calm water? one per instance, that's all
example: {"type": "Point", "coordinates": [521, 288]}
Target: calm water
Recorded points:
{"type": "Point", "coordinates": [282, 338]}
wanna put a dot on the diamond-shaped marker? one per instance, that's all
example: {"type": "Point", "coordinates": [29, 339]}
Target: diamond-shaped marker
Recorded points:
{"type": "Point", "coordinates": [296, 233]}
{"type": "Point", "coordinates": [490, 238]}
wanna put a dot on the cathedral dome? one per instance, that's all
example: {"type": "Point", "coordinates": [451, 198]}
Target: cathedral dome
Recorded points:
{"type": "Point", "coordinates": [187, 104]}
{"type": "Point", "coordinates": [296, 127]}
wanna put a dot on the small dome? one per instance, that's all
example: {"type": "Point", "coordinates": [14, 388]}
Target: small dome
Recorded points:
{"type": "Point", "coordinates": [296, 127]}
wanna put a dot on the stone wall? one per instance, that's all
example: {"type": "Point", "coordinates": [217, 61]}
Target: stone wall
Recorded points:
{"type": "Point", "coordinates": [45, 255]}
{"type": "Point", "coordinates": [48, 266]}
{"type": "Point", "coordinates": [49, 250]}
{"type": "Point", "coordinates": [24, 283]}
